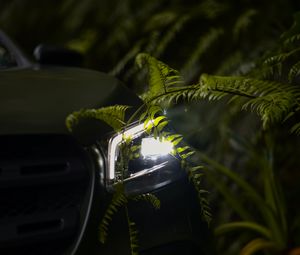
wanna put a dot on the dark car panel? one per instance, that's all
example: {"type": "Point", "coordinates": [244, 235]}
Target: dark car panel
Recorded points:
{"type": "Point", "coordinates": [39, 100]}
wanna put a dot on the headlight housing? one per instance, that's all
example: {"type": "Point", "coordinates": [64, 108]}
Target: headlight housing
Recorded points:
{"type": "Point", "coordinates": [151, 165]}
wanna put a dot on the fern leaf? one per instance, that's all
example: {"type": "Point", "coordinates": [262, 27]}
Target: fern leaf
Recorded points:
{"type": "Point", "coordinates": [292, 39]}
{"type": "Point", "coordinates": [294, 71]}
{"type": "Point", "coordinates": [161, 19]}
{"type": "Point", "coordinates": [256, 245]}
{"type": "Point", "coordinates": [152, 42]}
{"type": "Point", "coordinates": [158, 73]}
{"type": "Point", "coordinates": [112, 115]}
{"type": "Point", "coordinates": [296, 128]}
{"type": "Point", "coordinates": [293, 34]}
{"type": "Point", "coordinates": [123, 62]}
{"type": "Point", "coordinates": [170, 35]}
{"type": "Point", "coordinates": [272, 107]}
{"type": "Point", "coordinates": [270, 100]}
{"type": "Point", "coordinates": [243, 22]}
{"type": "Point", "coordinates": [119, 199]}
{"type": "Point", "coordinates": [246, 225]}
{"type": "Point", "coordinates": [205, 42]}
{"type": "Point", "coordinates": [133, 236]}
{"type": "Point", "coordinates": [152, 199]}
{"type": "Point", "coordinates": [195, 175]}
{"type": "Point", "coordinates": [282, 57]}
{"type": "Point", "coordinates": [230, 64]}
{"type": "Point", "coordinates": [211, 9]}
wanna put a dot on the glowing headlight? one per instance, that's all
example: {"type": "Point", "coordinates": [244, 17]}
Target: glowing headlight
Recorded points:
{"type": "Point", "coordinates": [113, 147]}
{"type": "Point", "coordinates": [152, 166]}
{"type": "Point", "coordinates": [152, 147]}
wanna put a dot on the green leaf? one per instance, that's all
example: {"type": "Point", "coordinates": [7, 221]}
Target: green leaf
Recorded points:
{"type": "Point", "coordinates": [256, 245]}
{"type": "Point", "coordinates": [246, 225]}
{"type": "Point", "coordinates": [157, 120]}
{"type": "Point", "coordinates": [296, 128]}
{"type": "Point", "coordinates": [112, 115]}
{"type": "Point", "coordinates": [161, 126]}
{"type": "Point", "coordinates": [118, 200]}
{"type": "Point", "coordinates": [151, 198]}
{"type": "Point", "coordinates": [233, 201]}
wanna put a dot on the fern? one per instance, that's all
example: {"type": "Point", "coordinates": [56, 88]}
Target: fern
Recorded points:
{"type": "Point", "coordinates": [119, 200]}
{"type": "Point", "coordinates": [296, 128]}
{"type": "Point", "coordinates": [152, 41]}
{"type": "Point", "coordinates": [152, 199]}
{"type": "Point", "coordinates": [256, 245]}
{"type": "Point", "coordinates": [282, 57]}
{"type": "Point", "coordinates": [293, 34]}
{"type": "Point", "coordinates": [210, 9]}
{"type": "Point", "coordinates": [205, 42]}
{"type": "Point", "coordinates": [170, 35]}
{"type": "Point", "coordinates": [294, 71]}
{"type": "Point", "coordinates": [272, 107]}
{"type": "Point", "coordinates": [237, 225]}
{"type": "Point", "coordinates": [243, 22]}
{"type": "Point", "coordinates": [230, 64]}
{"type": "Point", "coordinates": [124, 61]}
{"type": "Point", "coordinates": [272, 101]}
{"type": "Point", "coordinates": [155, 123]}
{"type": "Point", "coordinates": [292, 39]}
{"type": "Point", "coordinates": [161, 76]}
{"type": "Point", "coordinates": [133, 236]}
{"type": "Point", "coordinates": [195, 175]}
{"type": "Point", "coordinates": [161, 19]}
{"type": "Point", "coordinates": [112, 115]}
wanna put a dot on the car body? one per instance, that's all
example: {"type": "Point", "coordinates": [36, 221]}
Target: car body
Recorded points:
{"type": "Point", "coordinates": [54, 184]}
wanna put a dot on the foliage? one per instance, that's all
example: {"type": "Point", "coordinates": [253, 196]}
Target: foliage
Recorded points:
{"type": "Point", "coordinates": [272, 101]}
{"type": "Point", "coordinates": [112, 115]}
{"type": "Point", "coordinates": [154, 124]}
{"type": "Point", "coordinates": [273, 94]}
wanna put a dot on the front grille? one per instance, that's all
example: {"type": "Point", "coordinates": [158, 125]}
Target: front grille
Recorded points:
{"type": "Point", "coordinates": [43, 184]}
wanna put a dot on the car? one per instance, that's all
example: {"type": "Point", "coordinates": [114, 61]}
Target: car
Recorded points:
{"type": "Point", "coordinates": [56, 185]}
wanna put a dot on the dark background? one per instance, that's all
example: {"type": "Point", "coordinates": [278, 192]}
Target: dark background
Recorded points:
{"type": "Point", "coordinates": [195, 37]}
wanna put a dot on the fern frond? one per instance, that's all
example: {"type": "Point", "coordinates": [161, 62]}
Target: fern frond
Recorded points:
{"type": "Point", "coordinates": [243, 22]}
{"type": "Point", "coordinates": [246, 87]}
{"type": "Point", "coordinates": [296, 128]}
{"type": "Point", "coordinates": [210, 9]}
{"type": "Point", "coordinates": [205, 42]}
{"type": "Point", "coordinates": [195, 175]}
{"type": "Point", "coordinates": [111, 115]}
{"type": "Point", "coordinates": [133, 236]}
{"type": "Point", "coordinates": [161, 19]}
{"type": "Point", "coordinates": [129, 56]}
{"type": "Point", "coordinates": [282, 57]}
{"type": "Point", "coordinates": [292, 39]}
{"type": "Point", "coordinates": [152, 199]}
{"type": "Point", "coordinates": [269, 72]}
{"type": "Point", "coordinates": [294, 71]}
{"type": "Point", "coordinates": [247, 225]}
{"type": "Point", "coordinates": [230, 64]}
{"type": "Point", "coordinates": [152, 42]}
{"type": "Point", "coordinates": [170, 35]}
{"type": "Point", "coordinates": [272, 107]}
{"type": "Point", "coordinates": [293, 34]}
{"type": "Point", "coordinates": [159, 75]}
{"type": "Point", "coordinates": [256, 245]}
{"type": "Point", "coordinates": [119, 199]}
{"type": "Point", "coordinates": [271, 100]}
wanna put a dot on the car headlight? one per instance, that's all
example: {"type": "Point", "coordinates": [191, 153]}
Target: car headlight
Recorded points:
{"type": "Point", "coordinates": [152, 166]}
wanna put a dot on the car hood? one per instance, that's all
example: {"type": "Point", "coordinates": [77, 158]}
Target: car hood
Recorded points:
{"type": "Point", "coordinates": [38, 100]}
